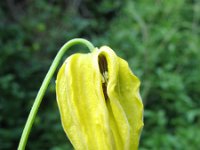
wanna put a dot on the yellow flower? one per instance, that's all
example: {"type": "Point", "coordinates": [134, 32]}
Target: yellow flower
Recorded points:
{"type": "Point", "coordinates": [99, 101]}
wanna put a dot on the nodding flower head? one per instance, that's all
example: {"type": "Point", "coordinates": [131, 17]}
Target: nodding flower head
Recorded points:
{"type": "Point", "coordinates": [99, 101]}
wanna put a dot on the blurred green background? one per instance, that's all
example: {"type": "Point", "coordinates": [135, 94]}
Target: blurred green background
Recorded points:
{"type": "Point", "coordinates": [159, 38]}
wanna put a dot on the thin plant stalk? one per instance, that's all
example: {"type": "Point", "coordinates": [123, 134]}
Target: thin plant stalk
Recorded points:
{"type": "Point", "coordinates": [45, 83]}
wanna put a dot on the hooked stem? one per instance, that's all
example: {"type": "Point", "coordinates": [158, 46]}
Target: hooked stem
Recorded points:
{"type": "Point", "coordinates": [45, 83]}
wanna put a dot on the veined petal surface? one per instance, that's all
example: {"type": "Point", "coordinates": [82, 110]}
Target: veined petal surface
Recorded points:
{"type": "Point", "coordinates": [99, 102]}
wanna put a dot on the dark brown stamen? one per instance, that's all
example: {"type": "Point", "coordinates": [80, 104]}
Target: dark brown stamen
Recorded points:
{"type": "Point", "coordinates": [103, 66]}
{"type": "Point", "coordinates": [104, 87]}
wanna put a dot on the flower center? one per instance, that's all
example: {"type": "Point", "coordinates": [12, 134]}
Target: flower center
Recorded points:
{"type": "Point", "coordinates": [103, 65]}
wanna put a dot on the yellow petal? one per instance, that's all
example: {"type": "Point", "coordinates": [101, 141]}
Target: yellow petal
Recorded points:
{"type": "Point", "coordinates": [99, 102]}
{"type": "Point", "coordinates": [124, 102]}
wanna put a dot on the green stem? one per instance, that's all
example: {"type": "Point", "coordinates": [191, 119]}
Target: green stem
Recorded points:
{"type": "Point", "coordinates": [44, 86]}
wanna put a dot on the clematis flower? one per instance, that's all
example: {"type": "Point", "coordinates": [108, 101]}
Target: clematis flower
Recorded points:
{"type": "Point", "coordinates": [99, 101]}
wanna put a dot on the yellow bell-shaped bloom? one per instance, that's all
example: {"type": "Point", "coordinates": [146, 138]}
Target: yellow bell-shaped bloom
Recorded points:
{"type": "Point", "coordinates": [99, 101]}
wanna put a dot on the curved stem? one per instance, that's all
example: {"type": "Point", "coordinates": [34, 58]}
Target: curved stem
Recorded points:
{"type": "Point", "coordinates": [44, 86]}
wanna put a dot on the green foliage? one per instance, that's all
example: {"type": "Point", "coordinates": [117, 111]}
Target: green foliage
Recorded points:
{"type": "Point", "coordinates": [160, 39]}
